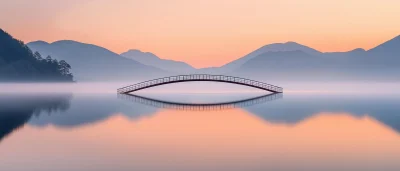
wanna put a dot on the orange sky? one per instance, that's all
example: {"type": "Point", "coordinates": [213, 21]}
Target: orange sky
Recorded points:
{"type": "Point", "coordinates": [207, 32]}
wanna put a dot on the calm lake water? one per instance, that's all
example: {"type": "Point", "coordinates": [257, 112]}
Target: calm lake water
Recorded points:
{"type": "Point", "coordinates": [313, 132]}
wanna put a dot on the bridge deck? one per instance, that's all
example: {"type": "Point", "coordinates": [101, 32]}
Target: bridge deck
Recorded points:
{"type": "Point", "coordinates": [200, 77]}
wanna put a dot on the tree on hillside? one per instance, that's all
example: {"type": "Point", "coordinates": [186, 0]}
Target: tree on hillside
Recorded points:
{"type": "Point", "coordinates": [64, 67]}
{"type": "Point", "coordinates": [48, 59]}
{"type": "Point", "coordinates": [38, 56]}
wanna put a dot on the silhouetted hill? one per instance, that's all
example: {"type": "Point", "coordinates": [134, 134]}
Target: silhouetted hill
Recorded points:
{"type": "Point", "coordinates": [377, 64]}
{"type": "Point", "coordinates": [387, 54]}
{"type": "Point", "coordinates": [352, 53]}
{"type": "Point", "coordinates": [18, 63]}
{"type": "Point", "coordinates": [289, 64]}
{"type": "Point", "coordinates": [390, 47]}
{"type": "Point", "coordinates": [150, 59]}
{"type": "Point", "coordinates": [276, 47]}
{"type": "Point", "coordinates": [284, 61]}
{"type": "Point", "coordinates": [91, 62]}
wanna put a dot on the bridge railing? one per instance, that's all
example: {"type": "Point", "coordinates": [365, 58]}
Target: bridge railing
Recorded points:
{"type": "Point", "coordinates": [199, 77]}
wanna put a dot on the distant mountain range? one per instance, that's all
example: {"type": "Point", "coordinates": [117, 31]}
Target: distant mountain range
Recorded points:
{"type": "Point", "coordinates": [150, 59]}
{"type": "Point", "coordinates": [303, 63]}
{"type": "Point", "coordinates": [94, 63]}
{"type": "Point", "coordinates": [276, 47]}
{"type": "Point", "coordinates": [279, 61]}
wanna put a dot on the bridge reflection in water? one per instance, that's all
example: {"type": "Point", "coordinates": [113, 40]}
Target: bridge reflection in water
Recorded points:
{"type": "Point", "coordinates": [200, 106]}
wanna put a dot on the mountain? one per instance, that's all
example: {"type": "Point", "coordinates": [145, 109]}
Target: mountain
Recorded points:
{"type": "Point", "coordinates": [387, 53]}
{"type": "Point", "coordinates": [286, 64]}
{"type": "Point", "coordinates": [150, 59]}
{"type": "Point", "coordinates": [285, 61]}
{"type": "Point", "coordinates": [19, 64]}
{"type": "Point", "coordinates": [380, 63]}
{"type": "Point", "coordinates": [276, 47]}
{"type": "Point", "coordinates": [95, 63]}
{"type": "Point", "coordinates": [390, 48]}
{"type": "Point", "coordinates": [290, 60]}
{"type": "Point", "coordinates": [352, 53]}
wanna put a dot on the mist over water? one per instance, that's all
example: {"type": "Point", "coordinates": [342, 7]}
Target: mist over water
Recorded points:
{"type": "Point", "coordinates": [87, 126]}
{"type": "Point", "coordinates": [206, 87]}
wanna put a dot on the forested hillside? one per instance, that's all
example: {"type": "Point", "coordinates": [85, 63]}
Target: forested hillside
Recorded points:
{"type": "Point", "coordinates": [19, 64]}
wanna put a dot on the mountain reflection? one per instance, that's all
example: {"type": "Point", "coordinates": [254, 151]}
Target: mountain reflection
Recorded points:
{"type": "Point", "coordinates": [91, 109]}
{"type": "Point", "coordinates": [16, 110]}
{"type": "Point", "coordinates": [295, 109]}
{"type": "Point", "coordinates": [84, 110]}
{"type": "Point", "coordinates": [231, 140]}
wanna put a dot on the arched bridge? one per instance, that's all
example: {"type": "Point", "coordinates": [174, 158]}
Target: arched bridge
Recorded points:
{"type": "Point", "coordinates": [200, 77]}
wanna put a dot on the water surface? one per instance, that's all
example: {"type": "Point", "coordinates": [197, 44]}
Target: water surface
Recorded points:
{"type": "Point", "coordinates": [78, 131]}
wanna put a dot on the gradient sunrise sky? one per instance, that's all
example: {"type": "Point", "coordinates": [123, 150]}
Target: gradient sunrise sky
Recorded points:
{"type": "Point", "coordinates": [204, 33]}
